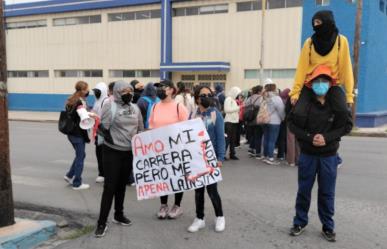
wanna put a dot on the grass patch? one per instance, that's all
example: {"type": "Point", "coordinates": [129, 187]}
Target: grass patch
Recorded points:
{"type": "Point", "coordinates": [80, 232]}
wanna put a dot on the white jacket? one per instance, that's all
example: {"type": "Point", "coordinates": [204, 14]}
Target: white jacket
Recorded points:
{"type": "Point", "coordinates": [231, 107]}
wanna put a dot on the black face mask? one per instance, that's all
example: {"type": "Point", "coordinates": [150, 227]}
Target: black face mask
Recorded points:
{"type": "Point", "coordinates": [97, 93]}
{"type": "Point", "coordinates": [325, 34]}
{"type": "Point", "coordinates": [87, 94]}
{"type": "Point", "coordinates": [126, 98]}
{"type": "Point", "coordinates": [205, 102]}
{"type": "Point", "coordinates": [161, 94]}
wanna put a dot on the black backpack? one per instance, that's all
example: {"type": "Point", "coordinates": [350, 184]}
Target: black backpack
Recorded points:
{"type": "Point", "coordinates": [66, 124]}
{"type": "Point", "coordinates": [251, 112]}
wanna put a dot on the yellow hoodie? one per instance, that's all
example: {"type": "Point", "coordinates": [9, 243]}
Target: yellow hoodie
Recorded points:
{"type": "Point", "coordinates": [338, 59]}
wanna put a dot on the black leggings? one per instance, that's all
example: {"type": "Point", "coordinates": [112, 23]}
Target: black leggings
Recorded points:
{"type": "Point", "coordinates": [117, 165]}
{"type": "Point", "coordinates": [98, 153]}
{"type": "Point", "coordinates": [178, 198]}
{"type": "Point", "coordinates": [212, 191]}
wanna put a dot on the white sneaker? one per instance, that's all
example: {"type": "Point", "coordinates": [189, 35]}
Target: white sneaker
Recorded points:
{"type": "Point", "coordinates": [220, 224]}
{"type": "Point", "coordinates": [82, 186]}
{"type": "Point", "coordinates": [100, 179]}
{"type": "Point", "coordinates": [68, 180]}
{"type": "Point", "coordinates": [175, 212]}
{"type": "Point", "coordinates": [163, 212]}
{"type": "Point", "coordinates": [197, 224]}
{"type": "Point", "coordinates": [271, 161]}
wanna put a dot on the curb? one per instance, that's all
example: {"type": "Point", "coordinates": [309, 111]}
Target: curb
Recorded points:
{"type": "Point", "coordinates": [367, 134]}
{"type": "Point", "coordinates": [32, 120]}
{"type": "Point", "coordinates": [28, 237]}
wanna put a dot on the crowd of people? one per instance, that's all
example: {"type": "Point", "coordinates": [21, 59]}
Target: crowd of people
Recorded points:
{"type": "Point", "coordinates": [302, 127]}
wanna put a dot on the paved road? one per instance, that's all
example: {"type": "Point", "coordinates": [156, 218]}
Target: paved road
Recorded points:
{"type": "Point", "coordinates": [258, 199]}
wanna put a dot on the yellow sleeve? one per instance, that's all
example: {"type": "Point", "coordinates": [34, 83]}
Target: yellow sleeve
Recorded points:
{"type": "Point", "coordinates": [301, 71]}
{"type": "Point", "coordinates": [345, 69]}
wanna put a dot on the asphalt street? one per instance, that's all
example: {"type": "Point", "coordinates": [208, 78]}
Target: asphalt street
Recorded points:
{"type": "Point", "coordinates": [258, 199]}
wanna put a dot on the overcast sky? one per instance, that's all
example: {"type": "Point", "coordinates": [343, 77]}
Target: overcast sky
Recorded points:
{"type": "Point", "coordinates": [21, 1]}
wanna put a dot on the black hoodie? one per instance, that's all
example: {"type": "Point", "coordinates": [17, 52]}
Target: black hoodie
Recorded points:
{"type": "Point", "coordinates": [325, 34]}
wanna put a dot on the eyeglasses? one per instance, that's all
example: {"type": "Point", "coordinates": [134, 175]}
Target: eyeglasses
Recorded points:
{"type": "Point", "coordinates": [206, 95]}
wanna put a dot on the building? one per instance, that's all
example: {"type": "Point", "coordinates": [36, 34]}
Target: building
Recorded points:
{"type": "Point", "coordinates": [52, 44]}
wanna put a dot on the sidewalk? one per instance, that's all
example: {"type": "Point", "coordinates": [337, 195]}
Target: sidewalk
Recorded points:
{"type": "Point", "coordinates": [54, 117]}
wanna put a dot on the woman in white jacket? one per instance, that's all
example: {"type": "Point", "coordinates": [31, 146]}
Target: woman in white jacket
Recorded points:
{"type": "Point", "coordinates": [276, 109]}
{"type": "Point", "coordinates": [231, 120]}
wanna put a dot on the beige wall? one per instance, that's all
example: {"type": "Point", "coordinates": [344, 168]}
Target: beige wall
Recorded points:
{"type": "Point", "coordinates": [106, 46]}
{"type": "Point", "coordinates": [232, 37]}
{"type": "Point", "coordinates": [235, 37]}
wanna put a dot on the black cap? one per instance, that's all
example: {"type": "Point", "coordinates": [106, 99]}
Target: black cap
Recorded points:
{"type": "Point", "coordinates": [165, 83]}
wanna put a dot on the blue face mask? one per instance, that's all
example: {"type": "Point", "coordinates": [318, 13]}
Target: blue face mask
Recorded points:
{"type": "Point", "coordinates": [320, 88]}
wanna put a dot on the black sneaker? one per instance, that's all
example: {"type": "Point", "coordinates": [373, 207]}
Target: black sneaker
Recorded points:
{"type": "Point", "coordinates": [122, 220]}
{"type": "Point", "coordinates": [329, 235]}
{"type": "Point", "coordinates": [297, 230]}
{"type": "Point", "coordinates": [100, 231]}
{"type": "Point", "coordinates": [234, 158]}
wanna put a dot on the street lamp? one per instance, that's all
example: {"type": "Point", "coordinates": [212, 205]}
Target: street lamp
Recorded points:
{"type": "Point", "coordinates": [261, 61]}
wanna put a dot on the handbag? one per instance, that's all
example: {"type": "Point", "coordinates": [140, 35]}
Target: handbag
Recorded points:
{"type": "Point", "coordinates": [66, 124]}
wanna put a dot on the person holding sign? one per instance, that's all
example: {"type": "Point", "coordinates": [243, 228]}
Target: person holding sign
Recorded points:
{"type": "Point", "coordinates": [122, 120]}
{"type": "Point", "coordinates": [164, 113]}
{"type": "Point", "coordinates": [214, 123]}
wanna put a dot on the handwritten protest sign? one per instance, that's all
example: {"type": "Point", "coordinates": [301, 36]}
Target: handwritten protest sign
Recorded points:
{"type": "Point", "coordinates": [173, 159]}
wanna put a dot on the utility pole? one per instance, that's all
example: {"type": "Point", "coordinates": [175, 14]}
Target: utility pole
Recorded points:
{"type": "Point", "coordinates": [261, 62]}
{"type": "Point", "coordinates": [6, 199]}
{"type": "Point", "coordinates": [356, 54]}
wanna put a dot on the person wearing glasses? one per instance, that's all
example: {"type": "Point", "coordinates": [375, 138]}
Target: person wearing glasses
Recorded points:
{"type": "Point", "coordinates": [167, 112]}
{"type": "Point", "coordinates": [214, 123]}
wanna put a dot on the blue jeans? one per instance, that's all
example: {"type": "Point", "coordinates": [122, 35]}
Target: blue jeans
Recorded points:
{"type": "Point", "coordinates": [270, 135]}
{"type": "Point", "coordinates": [76, 169]}
{"type": "Point", "coordinates": [325, 168]}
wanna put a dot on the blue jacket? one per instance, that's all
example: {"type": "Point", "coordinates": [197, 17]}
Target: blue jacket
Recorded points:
{"type": "Point", "coordinates": [214, 123]}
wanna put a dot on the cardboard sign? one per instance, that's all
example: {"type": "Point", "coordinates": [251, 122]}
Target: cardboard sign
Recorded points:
{"type": "Point", "coordinates": [173, 159]}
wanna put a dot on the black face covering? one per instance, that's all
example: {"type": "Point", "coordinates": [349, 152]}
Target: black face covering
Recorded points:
{"type": "Point", "coordinates": [161, 93]}
{"type": "Point", "coordinates": [325, 34]}
{"type": "Point", "coordinates": [126, 98]}
{"type": "Point", "coordinates": [97, 93]}
{"type": "Point", "coordinates": [205, 102]}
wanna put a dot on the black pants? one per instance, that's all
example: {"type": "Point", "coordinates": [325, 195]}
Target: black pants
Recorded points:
{"type": "Point", "coordinates": [231, 131]}
{"type": "Point", "coordinates": [212, 191]}
{"type": "Point", "coordinates": [117, 165]}
{"type": "Point", "coordinates": [239, 133]}
{"type": "Point", "coordinates": [256, 138]}
{"type": "Point", "coordinates": [281, 141]}
{"type": "Point", "coordinates": [98, 153]}
{"type": "Point", "coordinates": [178, 199]}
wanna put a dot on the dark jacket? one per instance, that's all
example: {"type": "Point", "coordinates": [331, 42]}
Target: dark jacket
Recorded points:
{"type": "Point", "coordinates": [142, 103]}
{"type": "Point", "coordinates": [320, 119]}
{"type": "Point", "coordinates": [78, 132]}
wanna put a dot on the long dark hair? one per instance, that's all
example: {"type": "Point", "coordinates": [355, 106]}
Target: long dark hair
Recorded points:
{"type": "Point", "coordinates": [74, 98]}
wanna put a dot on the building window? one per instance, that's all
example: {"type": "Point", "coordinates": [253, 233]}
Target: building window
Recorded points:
{"type": "Point", "coordinates": [271, 4]}
{"type": "Point", "coordinates": [381, 5]}
{"type": "Point", "coordinates": [78, 73]}
{"type": "Point", "coordinates": [323, 2]}
{"type": "Point", "coordinates": [26, 25]}
{"type": "Point", "coordinates": [134, 73]}
{"type": "Point", "coordinates": [207, 84]}
{"type": "Point", "coordinates": [270, 73]}
{"type": "Point", "coordinates": [28, 74]}
{"type": "Point", "coordinates": [188, 77]}
{"type": "Point", "coordinates": [205, 77]}
{"type": "Point", "coordinates": [294, 3]}
{"type": "Point", "coordinates": [77, 20]}
{"type": "Point", "coordinates": [275, 4]}
{"type": "Point", "coordinates": [137, 15]}
{"type": "Point", "coordinates": [201, 10]}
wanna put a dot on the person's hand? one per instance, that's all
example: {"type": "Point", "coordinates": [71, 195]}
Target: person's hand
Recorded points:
{"type": "Point", "coordinates": [319, 140]}
{"type": "Point", "coordinates": [219, 164]}
{"type": "Point", "coordinates": [93, 115]}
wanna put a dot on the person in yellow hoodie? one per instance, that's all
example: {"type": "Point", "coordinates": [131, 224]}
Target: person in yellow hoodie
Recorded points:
{"type": "Point", "coordinates": [325, 47]}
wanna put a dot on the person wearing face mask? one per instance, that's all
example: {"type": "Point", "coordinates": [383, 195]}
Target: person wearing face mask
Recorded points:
{"type": "Point", "coordinates": [214, 123]}
{"type": "Point", "coordinates": [325, 47]}
{"type": "Point", "coordinates": [167, 112]}
{"type": "Point", "coordinates": [123, 124]}
{"type": "Point", "coordinates": [101, 95]}
{"type": "Point", "coordinates": [319, 140]}
{"type": "Point", "coordinates": [138, 89]}
{"type": "Point", "coordinates": [78, 137]}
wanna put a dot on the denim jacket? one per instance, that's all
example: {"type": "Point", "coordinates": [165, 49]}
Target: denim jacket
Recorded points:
{"type": "Point", "coordinates": [214, 123]}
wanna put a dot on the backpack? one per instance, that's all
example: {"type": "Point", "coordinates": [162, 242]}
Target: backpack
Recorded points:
{"type": "Point", "coordinates": [151, 103]}
{"type": "Point", "coordinates": [66, 124]}
{"type": "Point", "coordinates": [103, 134]}
{"type": "Point", "coordinates": [251, 112]}
{"type": "Point", "coordinates": [263, 116]}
